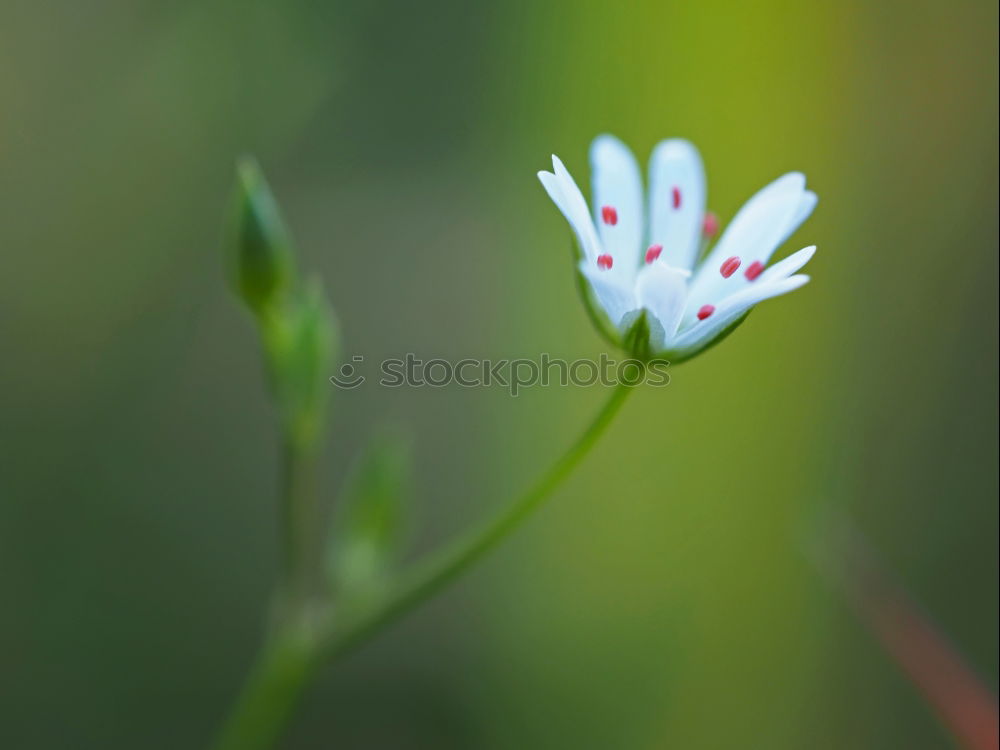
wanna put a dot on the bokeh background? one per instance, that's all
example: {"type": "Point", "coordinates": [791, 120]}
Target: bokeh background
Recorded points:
{"type": "Point", "coordinates": [662, 599]}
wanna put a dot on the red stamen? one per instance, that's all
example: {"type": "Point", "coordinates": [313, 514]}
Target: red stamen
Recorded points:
{"type": "Point", "coordinates": [610, 215]}
{"type": "Point", "coordinates": [705, 311]}
{"type": "Point", "coordinates": [710, 225]}
{"type": "Point", "coordinates": [728, 268]}
{"type": "Point", "coordinates": [677, 197]}
{"type": "Point", "coordinates": [653, 253]}
{"type": "Point", "coordinates": [754, 270]}
{"type": "Point", "coordinates": [605, 261]}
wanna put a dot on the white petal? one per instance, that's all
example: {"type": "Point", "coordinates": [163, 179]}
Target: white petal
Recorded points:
{"type": "Point", "coordinates": [567, 196]}
{"type": "Point", "coordinates": [676, 164]}
{"type": "Point", "coordinates": [663, 291]}
{"type": "Point", "coordinates": [804, 209]}
{"type": "Point", "coordinates": [764, 222]}
{"type": "Point", "coordinates": [786, 267]}
{"type": "Point", "coordinates": [727, 312]}
{"type": "Point", "coordinates": [780, 270]}
{"type": "Point", "coordinates": [617, 184]}
{"type": "Point", "coordinates": [806, 206]}
{"type": "Point", "coordinates": [616, 300]}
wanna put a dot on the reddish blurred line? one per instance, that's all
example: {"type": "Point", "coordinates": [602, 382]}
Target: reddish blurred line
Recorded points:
{"type": "Point", "coordinates": [950, 686]}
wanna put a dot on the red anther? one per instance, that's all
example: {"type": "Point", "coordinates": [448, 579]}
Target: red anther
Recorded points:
{"type": "Point", "coordinates": [605, 261]}
{"type": "Point", "coordinates": [677, 197]}
{"type": "Point", "coordinates": [710, 225]}
{"type": "Point", "coordinates": [729, 266]}
{"type": "Point", "coordinates": [754, 270]}
{"type": "Point", "coordinates": [653, 253]}
{"type": "Point", "coordinates": [610, 215]}
{"type": "Point", "coordinates": [705, 311]}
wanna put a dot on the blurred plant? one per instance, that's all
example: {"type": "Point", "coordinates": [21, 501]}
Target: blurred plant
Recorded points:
{"type": "Point", "coordinates": [660, 301]}
{"type": "Point", "coordinates": [338, 588]}
{"type": "Point", "coordinates": [299, 335]}
{"type": "Point", "coordinates": [367, 534]}
{"type": "Point", "coordinates": [952, 689]}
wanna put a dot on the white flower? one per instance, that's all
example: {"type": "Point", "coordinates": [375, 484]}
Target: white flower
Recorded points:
{"type": "Point", "coordinates": [645, 274]}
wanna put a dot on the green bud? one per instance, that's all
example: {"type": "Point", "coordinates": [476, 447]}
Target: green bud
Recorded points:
{"type": "Point", "coordinates": [263, 263]}
{"type": "Point", "coordinates": [300, 340]}
{"type": "Point", "coordinates": [368, 529]}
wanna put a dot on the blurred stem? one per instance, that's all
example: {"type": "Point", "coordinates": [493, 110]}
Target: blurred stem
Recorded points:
{"type": "Point", "coordinates": [304, 638]}
{"type": "Point", "coordinates": [272, 690]}
{"type": "Point", "coordinates": [287, 659]}
{"type": "Point", "coordinates": [301, 521]}
{"type": "Point", "coordinates": [430, 575]}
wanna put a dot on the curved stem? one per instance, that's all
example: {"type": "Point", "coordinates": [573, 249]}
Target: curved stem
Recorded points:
{"type": "Point", "coordinates": [439, 568]}
{"type": "Point", "coordinates": [299, 644]}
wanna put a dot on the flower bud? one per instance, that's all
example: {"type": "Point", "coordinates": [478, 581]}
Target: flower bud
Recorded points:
{"type": "Point", "coordinates": [263, 263]}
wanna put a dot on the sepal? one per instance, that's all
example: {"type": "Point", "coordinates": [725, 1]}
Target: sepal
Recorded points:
{"type": "Point", "coordinates": [639, 335]}
{"type": "Point", "coordinates": [595, 312]}
{"type": "Point", "coordinates": [301, 343]}
{"type": "Point", "coordinates": [677, 357]}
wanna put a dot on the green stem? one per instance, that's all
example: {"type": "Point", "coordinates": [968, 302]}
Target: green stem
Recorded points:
{"type": "Point", "coordinates": [439, 568]}
{"type": "Point", "coordinates": [272, 690]}
{"type": "Point", "coordinates": [292, 655]}
{"type": "Point", "coordinates": [287, 658]}
{"type": "Point", "coordinates": [300, 506]}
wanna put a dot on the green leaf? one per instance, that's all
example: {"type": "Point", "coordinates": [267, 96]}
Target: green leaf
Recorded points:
{"type": "Point", "coordinates": [368, 531]}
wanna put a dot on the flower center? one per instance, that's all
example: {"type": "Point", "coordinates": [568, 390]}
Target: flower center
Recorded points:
{"type": "Point", "coordinates": [676, 194]}
{"type": "Point", "coordinates": [729, 266]}
{"type": "Point", "coordinates": [605, 261]}
{"type": "Point", "coordinates": [754, 270]}
{"type": "Point", "coordinates": [653, 253]}
{"type": "Point", "coordinates": [705, 310]}
{"type": "Point", "coordinates": [609, 215]}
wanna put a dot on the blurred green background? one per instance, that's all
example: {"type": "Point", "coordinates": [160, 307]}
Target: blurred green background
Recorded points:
{"type": "Point", "coordinates": [662, 599]}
